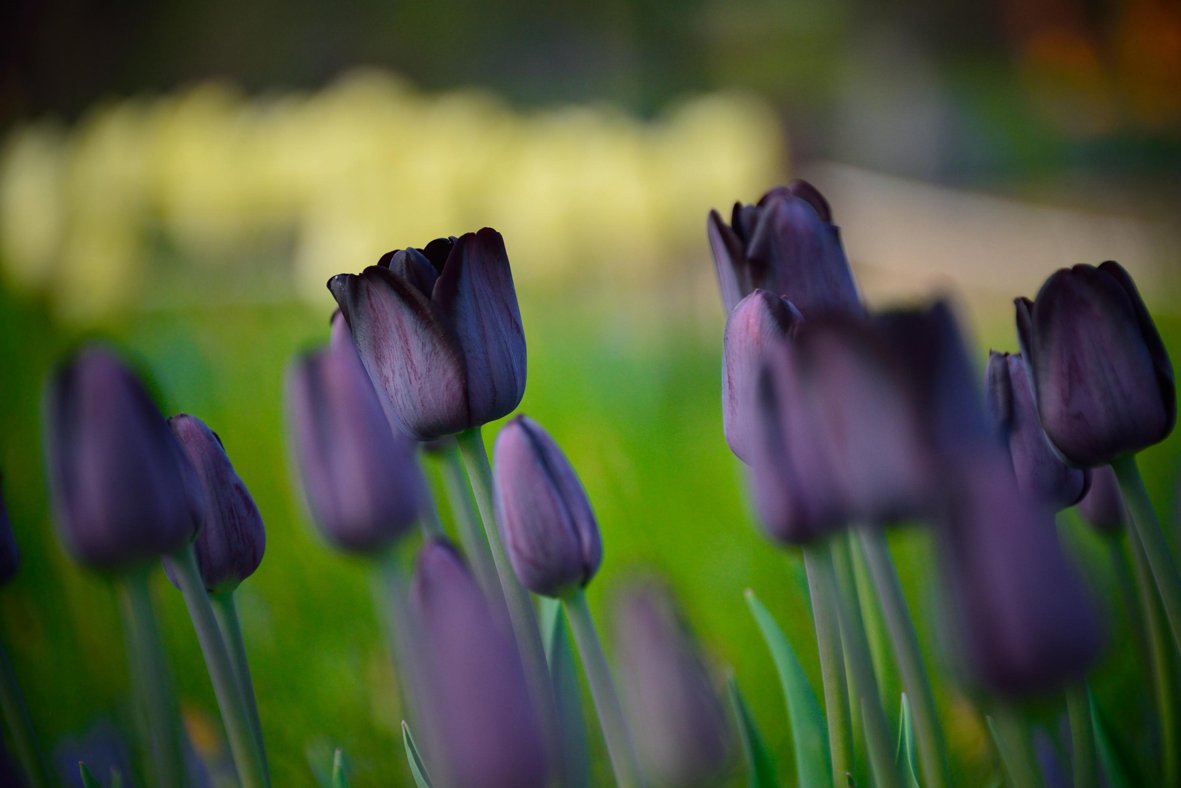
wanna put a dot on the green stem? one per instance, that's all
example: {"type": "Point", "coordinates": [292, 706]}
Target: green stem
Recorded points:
{"type": "Point", "coordinates": [428, 520]}
{"type": "Point", "coordinates": [20, 726]}
{"type": "Point", "coordinates": [594, 661]}
{"type": "Point", "coordinates": [1014, 748]}
{"type": "Point", "coordinates": [1128, 597]}
{"type": "Point", "coordinates": [822, 589]}
{"type": "Point", "coordinates": [1148, 530]}
{"type": "Point", "coordinates": [1082, 737]}
{"type": "Point", "coordinates": [471, 534]}
{"type": "Point", "coordinates": [226, 610]}
{"type": "Point", "coordinates": [928, 734]}
{"type": "Point", "coordinates": [247, 757]}
{"type": "Point", "coordinates": [1162, 668]}
{"type": "Point", "coordinates": [157, 712]}
{"type": "Point", "coordinates": [392, 592]}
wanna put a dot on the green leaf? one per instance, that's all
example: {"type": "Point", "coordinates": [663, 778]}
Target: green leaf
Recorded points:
{"type": "Point", "coordinates": [808, 729]}
{"type": "Point", "coordinates": [559, 655]}
{"type": "Point", "coordinates": [905, 754]}
{"type": "Point", "coordinates": [417, 767]}
{"type": "Point", "coordinates": [339, 778]}
{"type": "Point", "coordinates": [1115, 767]}
{"type": "Point", "coordinates": [88, 779]}
{"type": "Point", "coordinates": [760, 765]}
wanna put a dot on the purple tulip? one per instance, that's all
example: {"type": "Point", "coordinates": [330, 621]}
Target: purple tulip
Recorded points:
{"type": "Point", "coordinates": [359, 476]}
{"type": "Point", "coordinates": [788, 245]}
{"type": "Point", "coordinates": [481, 728]}
{"type": "Point", "coordinates": [120, 482]}
{"type": "Point", "coordinates": [1103, 505]}
{"type": "Point", "coordinates": [1103, 380]}
{"type": "Point", "coordinates": [10, 558]}
{"type": "Point", "coordinates": [439, 332]}
{"type": "Point", "coordinates": [1040, 472]}
{"type": "Point", "coordinates": [682, 736]}
{"type": "Point", "coordinates": [231, 541]}
{"type": "Point", "coordinates": [546, 521]}
{"type": "Point", "coordinates": [759, 320]}
{"type": "Point", "coordinates": [1029, 622]}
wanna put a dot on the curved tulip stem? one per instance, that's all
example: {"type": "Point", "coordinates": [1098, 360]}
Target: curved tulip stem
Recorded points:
{"type": "Point", "coordinates": [157, 713]}
{"type": "Point", "coordinates": [929, 736]}
{"type": "Point", "coordinates": [594, 661]}
{"type": "Point", "coordinates": [1082, 737]}
{"type": "Point", "coordinates": [247, 757]}
{"type": "Point", "coordinates": [391, 590]}
{"type": "Point", "coordinates": [20, 726]}
{"type": "Point", "coordinates": [1148, 530]}
{"type": "Point", "coordinates": [226, 610]}
{"type": "Point", "coordinates": [826, 618]}
{"type": "Point", "coordinates": [471, 535]}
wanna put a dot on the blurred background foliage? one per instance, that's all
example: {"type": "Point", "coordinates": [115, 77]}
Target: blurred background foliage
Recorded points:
{"type": "Point", "coordinates": [182, 178]}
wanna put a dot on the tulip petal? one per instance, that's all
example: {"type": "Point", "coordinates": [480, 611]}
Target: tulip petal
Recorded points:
{"type": "Point", "coordinates": [729, 261]}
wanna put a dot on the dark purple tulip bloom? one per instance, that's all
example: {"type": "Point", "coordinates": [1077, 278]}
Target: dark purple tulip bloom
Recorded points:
{"type": "Point", "coordinates": [1040, 471]}
{"type": "Point", "coordinates": [481, 728]}
{"type": "Point", "coordinates": [759, 320]}
{"type": "Point", "coordinates": [1102, 377]}
{"type": "Point", "coordinates": [546, 521]}
{"type": "Point", "coordinates": [682, 736]}
{"type": "Point", "coordinates": [230, 545]}
{"type": "Point", "coordinates": [786, 244]}
{"type": "Point", "coordinates": [439, 332]}
{"type": "Point", "coordinates": [359, 476]}
{"type": "Point", "coordinates": [120, 481]}
{"type": "Point", "coordinates": [10, 558]}
{"type": "Point", "coordinates": [1029, 622]}
{"type": "Point", "coordinates": [1103, 505]}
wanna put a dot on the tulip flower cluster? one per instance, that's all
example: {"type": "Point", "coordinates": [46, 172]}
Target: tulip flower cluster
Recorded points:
{"type": "Point", "coordinates": [850, 422]}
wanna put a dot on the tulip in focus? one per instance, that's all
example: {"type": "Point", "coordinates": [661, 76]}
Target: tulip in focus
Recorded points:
{"type": "Point", "coordinates": [1103, 380]}
{"type": "Point", "coordinates": [787, 245]}
{"type": "Point", "coordinates": [546, 522]}
{"type": "Point", "coordinates": [439, 332]}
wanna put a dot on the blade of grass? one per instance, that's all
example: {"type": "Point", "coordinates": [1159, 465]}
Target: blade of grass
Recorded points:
{"type": "Point", "coordinates": [339, 778]}
{"type": "Point", "coordinates": [760, 764]}
{"type": "Point", "coordinates": [905, 756]}
{"type": "Point", "coordinates": [417, 767]}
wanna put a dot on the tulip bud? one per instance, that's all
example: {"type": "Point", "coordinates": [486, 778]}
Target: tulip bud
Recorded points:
{"type": "Point", "coordinates": [546, 522]}
{"type": "Point", "coordinates": [1103, 505]}
{"type": "Point", "coordinates": [682, 736]}
{"type": "Point", "coordinates": [759, 320]}
{"type": "Point", "coordinates": [9, 554]}
{"type": "Point", "coordinates": [119, 479]}
{"type": "Point", "coordinates": [481, 728]}
{"type": "Point", "coordinates": [1040, 472]}
{"type": "Point", "coordinates": [359, 476]}
{"type": "Point", "coordinates": [787, 245]}
{"type": "Point", "coordinates": [231, 541]}
{"type": "Point", "coordinates": [1103, 381]}
{"type": "Point", "coordinates": [1028, 620]}
{"type": "Point", "coordinates": [439, 332]}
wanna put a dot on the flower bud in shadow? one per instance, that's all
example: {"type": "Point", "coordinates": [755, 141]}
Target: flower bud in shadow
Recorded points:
{"type": "Point", "coordinates": [786, 244]}
{"type": "Point", "coordinates": [119, 479]}
{"type": "Point", "coordinates": [546, 522]}
{"type": "Point", "coordinates": [1103, 381]}
{"type": "Point", "coordinates": [9, 553]}
{"type": "Point", "coordinates": [682, 731]}
{"type": "Point", "coordinates": [358, 475]}
{"type": "Point", "coordinates": [1103, 505]}
{"type": "Point", "coordinates": [439, 332]}
{"type": "Point", "coordinates": [231, 541]}
{"type": "Point", "coordinates": [1029, 623]}
{"type": "Point", "coordinates": [481, 728]}
{"type": "Point", "coordinates": [1040, 471]}
{"type": "Point", "coordinates": [758, 321]}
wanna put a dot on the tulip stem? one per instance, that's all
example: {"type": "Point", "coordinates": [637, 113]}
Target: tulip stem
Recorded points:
{"type": "Point", "coordinates": [226, 609]}
{"type": "Point", "coordinates": [928, 734]}
{"type": "Point", "coordinates": [20, 726]}
{"type": "Point", "coordinates": [247, 757]}
{"type": "Point", "coordinates": [826, 619]}
{"type": "Point", "coordinates": [1128, 596]}
{"type": "Point", "coordinates": [594, 662]}
{"type": "Point", "coordinates": [471, 535]}
{"type": "Point", "coordinates": [428, 517]}
{"type": "Point", "coordinates": [1082, 737]}
{"type": "Point", "coordinates": [157, 712]}
{"type": "Point", "coordinates": [1152, 539]}
{"type": "Point", "coordinates": [1012, 746]}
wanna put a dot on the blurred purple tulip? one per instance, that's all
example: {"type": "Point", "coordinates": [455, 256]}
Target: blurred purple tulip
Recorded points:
{"type": "Point", "coordinates": [481, 728]}
{"type": "Point", "coordinates": [1103, 505]}
{"type": "Point", "coordinates": [120, 483]}
{"type": "Point", "coordinates": [10, 558]}
{"type": "Point", "coordinates": [1102, 377]}
{"type": "Point", "coordinates": [546, 521]}
{"type": "Point", "coordinates": [231, 541]}
{"type": "Point", "coordinates": [682, 734]}
{"type": "Point", "coordinates": [759, 320]}
{"type": "Point", "coordinates": [358, 474]}
{"type": "Point", "coordinates": [1028, 620]}
{"type": "Point", "coordinates": [439, 332]}
{"type": "Point", "coordinates": [787, 245]}
{"type": "Point", "coordinates": [1040, 471]}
